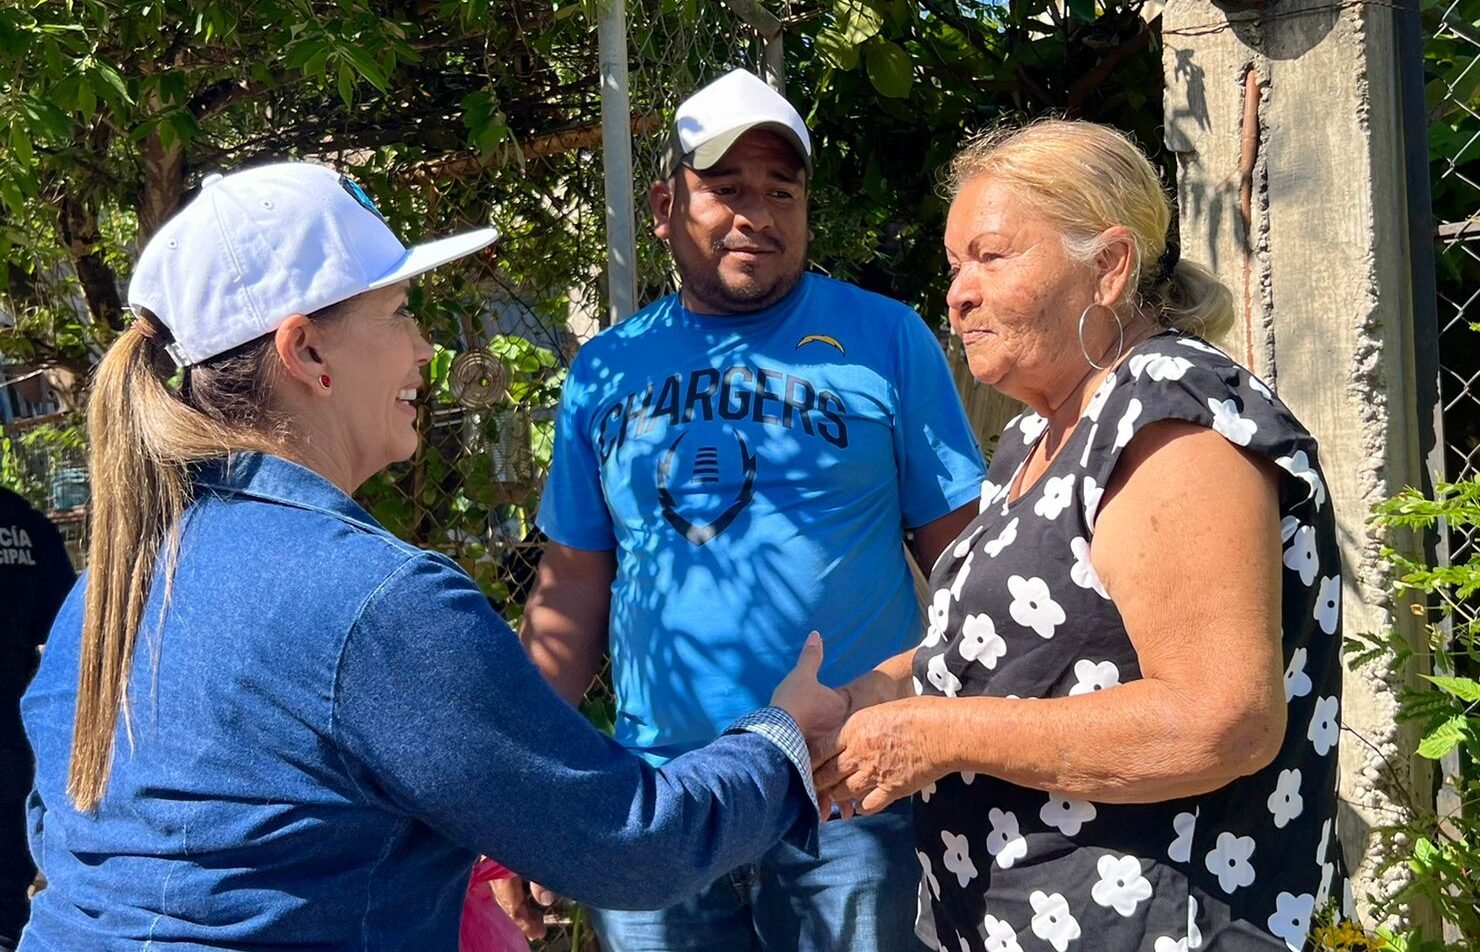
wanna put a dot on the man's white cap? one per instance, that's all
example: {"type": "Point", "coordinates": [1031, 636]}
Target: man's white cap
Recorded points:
{"type": "Point", "coordinates": [260, 245]}
{"type": "Point", "coordinates": [708, 122]}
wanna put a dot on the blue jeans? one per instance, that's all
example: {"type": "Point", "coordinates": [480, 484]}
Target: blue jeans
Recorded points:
{"type": "Point", "coordinates": [858, 896]}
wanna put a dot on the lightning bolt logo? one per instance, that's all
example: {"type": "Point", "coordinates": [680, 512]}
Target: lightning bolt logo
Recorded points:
{"type": "Point", "coordinates": [821, 339]}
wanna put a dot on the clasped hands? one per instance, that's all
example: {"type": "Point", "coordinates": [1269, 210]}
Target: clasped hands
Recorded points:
{"type": "Point", "coordinates": [868, 747]}
{"type": "Point", "coordinates": [868, 750]}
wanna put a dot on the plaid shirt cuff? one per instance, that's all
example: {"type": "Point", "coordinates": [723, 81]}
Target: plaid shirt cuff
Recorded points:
{"type": "Point", "coordinates": [777, 726]}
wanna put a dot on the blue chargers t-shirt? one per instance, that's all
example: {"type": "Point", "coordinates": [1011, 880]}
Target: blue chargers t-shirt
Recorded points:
{"type": "Point", "coordinates": [754, 474]}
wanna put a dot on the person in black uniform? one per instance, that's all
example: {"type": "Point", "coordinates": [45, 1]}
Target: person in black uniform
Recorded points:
{"type": "Point", "coordinates": [35, 576]}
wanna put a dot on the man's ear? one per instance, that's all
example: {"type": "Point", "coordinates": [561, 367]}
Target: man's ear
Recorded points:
{"type": "Point", "coordinates": [299, 345]}
{"type": "Point", "coordinates": [660, 201]}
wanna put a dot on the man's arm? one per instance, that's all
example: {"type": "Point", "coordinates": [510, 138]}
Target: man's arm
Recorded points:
{"type": "Point", "coordinates": [565, 618]}
{"type": "Point", "coordinates": [932, 538]}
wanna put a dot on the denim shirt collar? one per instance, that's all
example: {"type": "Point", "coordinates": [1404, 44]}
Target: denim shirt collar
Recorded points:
{"type": "Point", "coordinates": [277, 480]}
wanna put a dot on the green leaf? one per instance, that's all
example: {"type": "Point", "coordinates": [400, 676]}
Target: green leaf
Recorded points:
{"type": "Point", "coordinates": [890, 69]}
{"type": "Point", "coordinates": [858, 21]}
{"type": "Point", "coordinates": [836, 49]}
{"type": "Point", "coordinates": [20, 144]}
{"type": "Point", "coordinates": [110, 79]}
{"type": "Point", "coordinates": [346, 84]}
{"type": "Point", "coordinates": [1444, 738]}
{"type": "Point", "coordinates": [1466, 689]}
{"type": "Point", "coordinates": [87, 101]}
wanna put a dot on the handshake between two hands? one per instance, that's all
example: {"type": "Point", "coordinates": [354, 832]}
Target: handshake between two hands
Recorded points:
{"type": "Point", "coordinates": [865, 756]}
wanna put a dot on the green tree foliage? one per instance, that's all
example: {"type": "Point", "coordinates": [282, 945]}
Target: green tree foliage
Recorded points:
{"type": "Point", "coordinates": [457, 112]}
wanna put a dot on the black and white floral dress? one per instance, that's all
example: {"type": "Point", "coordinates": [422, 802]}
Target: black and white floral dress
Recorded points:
{"type": "Point", "coordinates": [1018, 611]}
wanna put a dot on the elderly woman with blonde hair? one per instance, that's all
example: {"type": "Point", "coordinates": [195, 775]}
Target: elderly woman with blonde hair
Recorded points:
{"type": "Point", "coordinates": [1121, 723]}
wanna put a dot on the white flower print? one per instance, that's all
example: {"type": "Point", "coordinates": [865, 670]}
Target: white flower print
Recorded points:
{"type": "Point", "coordinates": [1226, 420]}
{"type": "Point", "coordinates": [931, 882]}
{"type": "Point", "coordinates": [1297, 682]}
{"type": "Point", "coordinates": [1097, 402]}
{"type": "Point", "coordinates": [1286, 803]}
{"type": "Point", "coordinates": [1033, 605]}
{"type": "Point", "coordinates": [1083, 573]}
{"type": "Point", "coordinates": [1260, 387]}
{"type": "Point", "coordinates": [919, 688]}
{"type": "Point", "coordinates": [1000, 935]}
{"type": "Point", "coordinates": [961, 575]}
{"type": "Point", "coordinates": [944, 681]}
{"type": "Point", "coordinates": [1031, 425]}
{"type": "Point", "coordinates": [1092, 493]}
{"type": "Point", "coordinates": [1291, 919]}
{"type": "Point", "coordinates": [1165, 943]}
{"type": "Point", "coordinates": [1159, 366]}
{"type": "Point", "coordinates": [1229, 861]}
{"type": "Point", "coordinates": [958, 858]}
{"type": "Point", "coordinates": [1005, 842]}
{"type": "Point", "coordinates": [1121, 886]}
{"type": "Point", "coordinates": [1089, 444]}
{"type": "Point", "coordinates": [1051, 920]}
{"type": "Point", "coordinates": [1126, 428]}
{"type": "Point", "coordinates": [927, 791]}
{"type": "Point", "coordinates": [1301, 556]}
{"type": "Point", "coordinates": [964, 546]}
{"type": "Point", "coordinates": [967, 777]}
{"type": "Point", "coordinates": [1288, 525]}
{"type": "Point", "coordinates": [980, 641]}
{"type": "Point", "coordinates": [1323, 891]}
{"type": "Point", "coordinates": [965, 946]}
{"type": "Point", "coordinates": [1328, 603]}
{"type": "Point", "coordinates": [1004, 539]}
{"type": "Point", "coordinates": [1058, 492]}
{"type": "Point", "coordinates": [1324, 726]}
{"type": "Point", "coordinates": [1194, 934]}
{"type": "Point", "coordinates": [1196, 344]}
{"type": "Point", "coordinates": [1183, 825]}
{"type": "Point", "coordinates": [1325, 839]}
{"type": "Point", "coordinates": [1298, 465]}
{"type": "Point", "coordinates": [1094, 677]}
{"type": "Point", "coordinates": [1066, 814]}
{"type": "Point", "coordinates": [937, 616]}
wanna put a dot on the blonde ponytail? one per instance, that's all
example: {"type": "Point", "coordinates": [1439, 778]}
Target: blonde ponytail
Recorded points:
{"type": "Point", "coordinates": [144, 437]}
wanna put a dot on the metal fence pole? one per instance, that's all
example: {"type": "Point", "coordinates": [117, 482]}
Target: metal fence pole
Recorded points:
{"type": "Point", "coordinates": [616, 157]}
{"type": "Point", "coordinates": [768, 28]}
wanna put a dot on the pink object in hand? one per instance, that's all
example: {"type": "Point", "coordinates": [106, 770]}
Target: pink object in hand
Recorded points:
{"type": "Point", "coordinates": [485, 925]}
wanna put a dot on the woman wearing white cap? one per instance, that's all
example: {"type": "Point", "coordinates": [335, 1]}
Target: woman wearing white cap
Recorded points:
{"type": "Point", "coordinates": [264, 722]}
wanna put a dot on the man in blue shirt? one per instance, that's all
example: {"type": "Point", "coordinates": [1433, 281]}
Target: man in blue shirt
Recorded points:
{"type": "Point", "coordinates": [736, 465]}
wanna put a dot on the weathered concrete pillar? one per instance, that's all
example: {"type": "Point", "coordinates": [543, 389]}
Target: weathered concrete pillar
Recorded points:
{"type": "Point", "coordinates": [1285, 124]}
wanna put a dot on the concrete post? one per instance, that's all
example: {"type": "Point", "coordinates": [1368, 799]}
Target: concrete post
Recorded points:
{"type": "Point", "coordinates": [1286, 126]}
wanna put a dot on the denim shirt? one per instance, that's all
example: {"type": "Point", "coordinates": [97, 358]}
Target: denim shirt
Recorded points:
{"type": "Point", "coordinates": [328, 725]}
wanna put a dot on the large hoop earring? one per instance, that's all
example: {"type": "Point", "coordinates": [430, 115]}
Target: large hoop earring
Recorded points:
{"type": "Point", "coordinates": [1120, 339]}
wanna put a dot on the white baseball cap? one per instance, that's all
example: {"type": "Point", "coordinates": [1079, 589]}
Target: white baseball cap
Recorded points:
{"type": "Point", "coordinates": [265, 243]}
{"type": "Point", "coordinates": [712, 119]}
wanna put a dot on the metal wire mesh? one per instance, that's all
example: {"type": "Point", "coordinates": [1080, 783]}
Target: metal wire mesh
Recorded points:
{"type": "Point", "coordinates": [1454, 102]}
{"type": "Point", "coordinates": [676, 48]}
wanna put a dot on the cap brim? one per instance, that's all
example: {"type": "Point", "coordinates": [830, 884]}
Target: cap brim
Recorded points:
{"type": "Point", "coordinates": [424, 257]}
{"type": "Point", "coordinates": [708, 154]}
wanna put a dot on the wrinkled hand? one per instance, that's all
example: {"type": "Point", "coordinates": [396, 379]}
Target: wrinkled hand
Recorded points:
{"type": "Point", "coordinates": [818, 710]}
{"type": "Point", "coordinates": [516, 903]}
{"type": "Point", "coordinates": [881, 754]}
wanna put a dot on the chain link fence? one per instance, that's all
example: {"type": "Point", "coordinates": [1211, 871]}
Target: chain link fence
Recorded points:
{"type": "Point", "coordinates": [1452, 61]}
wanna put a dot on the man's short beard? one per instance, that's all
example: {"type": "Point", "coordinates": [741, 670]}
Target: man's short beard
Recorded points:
{"type": "Point", "coordinates": [704, 286]}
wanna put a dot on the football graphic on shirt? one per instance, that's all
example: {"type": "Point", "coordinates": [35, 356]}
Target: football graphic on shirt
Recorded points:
{"type": "Point", "coordinates": [705, 481]}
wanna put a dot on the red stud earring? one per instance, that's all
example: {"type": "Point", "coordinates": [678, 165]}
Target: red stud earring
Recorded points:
{"type": "Point", "coordinates": [324, 381]}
